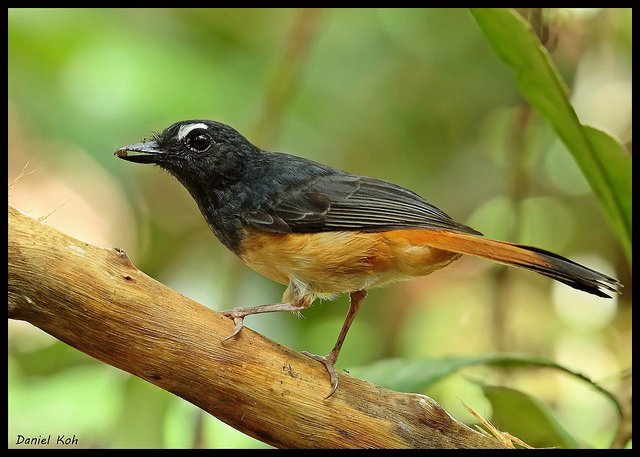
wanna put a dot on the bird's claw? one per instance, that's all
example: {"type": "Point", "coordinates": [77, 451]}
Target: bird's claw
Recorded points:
{"type": "Point", "coordinates": [237, 319]}
{"type": "Point", "coordinates": [327, 361]}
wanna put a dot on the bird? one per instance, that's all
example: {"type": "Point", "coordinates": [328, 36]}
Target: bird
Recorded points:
{"type": "Point", "coordinates": [322, 231]}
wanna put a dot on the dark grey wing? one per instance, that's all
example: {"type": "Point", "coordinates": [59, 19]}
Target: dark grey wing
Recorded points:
{"type": "Point", "coordinates": [337, 202]}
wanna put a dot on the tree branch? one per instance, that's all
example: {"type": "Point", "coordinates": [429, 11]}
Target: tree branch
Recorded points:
{"type": "Point", "coordinates": [96, 301]}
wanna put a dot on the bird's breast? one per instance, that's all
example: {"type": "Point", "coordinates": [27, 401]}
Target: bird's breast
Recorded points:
{"type": "Point", "coordinates": [341, 261]}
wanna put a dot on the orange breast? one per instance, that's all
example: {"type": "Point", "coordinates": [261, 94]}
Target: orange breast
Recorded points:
{"type": "Point", "coordinates": [335, 262]}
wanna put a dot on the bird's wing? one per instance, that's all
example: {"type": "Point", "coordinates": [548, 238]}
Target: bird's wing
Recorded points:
{"type": "Point", "coordinates": [338, 202]}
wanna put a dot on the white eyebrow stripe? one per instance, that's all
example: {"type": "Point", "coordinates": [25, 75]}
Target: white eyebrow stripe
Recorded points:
{"type": "Point", "coordinates": [185, 129]}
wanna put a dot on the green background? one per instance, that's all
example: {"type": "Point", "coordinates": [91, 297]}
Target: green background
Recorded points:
{"type": "Point", "coordinates": [418, 97]}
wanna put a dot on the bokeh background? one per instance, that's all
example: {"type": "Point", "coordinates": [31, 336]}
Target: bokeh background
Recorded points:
{"type": "Point", "coordinates": [417, 97]}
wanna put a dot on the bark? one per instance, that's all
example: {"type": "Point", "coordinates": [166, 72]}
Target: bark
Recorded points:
{"type": "Point", "coordinates": [96, 301]}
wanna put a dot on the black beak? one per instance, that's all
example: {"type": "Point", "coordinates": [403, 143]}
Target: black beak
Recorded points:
{"type": "Point", "coordinates": [146, 152]}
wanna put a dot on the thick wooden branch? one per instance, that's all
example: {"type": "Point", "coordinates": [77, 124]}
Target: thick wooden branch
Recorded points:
{"type": "Point", "coordinates": [96, 301]}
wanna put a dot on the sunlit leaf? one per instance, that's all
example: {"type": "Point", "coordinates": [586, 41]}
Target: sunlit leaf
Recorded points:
{"type": "Point", "coordinates": [603, 161]}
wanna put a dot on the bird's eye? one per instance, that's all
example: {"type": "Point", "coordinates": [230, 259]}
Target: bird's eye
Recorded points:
{"type": "Point", "coordinates": [199, 142]}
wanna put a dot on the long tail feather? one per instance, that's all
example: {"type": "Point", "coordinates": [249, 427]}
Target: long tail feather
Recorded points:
{"type": "Point", "coordinates": [527, 257]}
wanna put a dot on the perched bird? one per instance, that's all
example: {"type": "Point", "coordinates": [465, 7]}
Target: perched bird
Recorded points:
{"type": "Point", "coordinates": [322, 231]}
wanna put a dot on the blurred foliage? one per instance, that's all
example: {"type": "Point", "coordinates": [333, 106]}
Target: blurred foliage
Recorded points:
{"type": "Point", "coordinates": [603, 161]}
{"type": "Point", "coordinates": [418, 97]}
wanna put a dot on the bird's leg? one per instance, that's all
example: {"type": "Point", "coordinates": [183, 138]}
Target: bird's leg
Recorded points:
{"type": "Point", "coordinates": [330, 359]}
{"type": "Point", "coordinates": [238, 314]}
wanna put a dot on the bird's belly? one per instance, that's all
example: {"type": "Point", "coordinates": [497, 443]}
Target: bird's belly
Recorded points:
{"type": "Point", "coordinates": [336, 262]}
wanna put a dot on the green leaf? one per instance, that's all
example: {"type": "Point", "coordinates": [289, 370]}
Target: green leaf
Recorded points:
{"type": "Point", "coordinates": [526, 418]}
{"type": "Point", "coordinates": [602, 159]}
{"type": "Point", "coordinates": [416, 375]}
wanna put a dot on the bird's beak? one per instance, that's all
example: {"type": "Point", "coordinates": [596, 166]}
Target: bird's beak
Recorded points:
{"type": "Point", "coordinates": [146, 152]}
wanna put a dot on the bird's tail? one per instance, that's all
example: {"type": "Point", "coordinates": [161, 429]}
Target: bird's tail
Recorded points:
{"type": "Point", "coordinates": [527, 257]}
